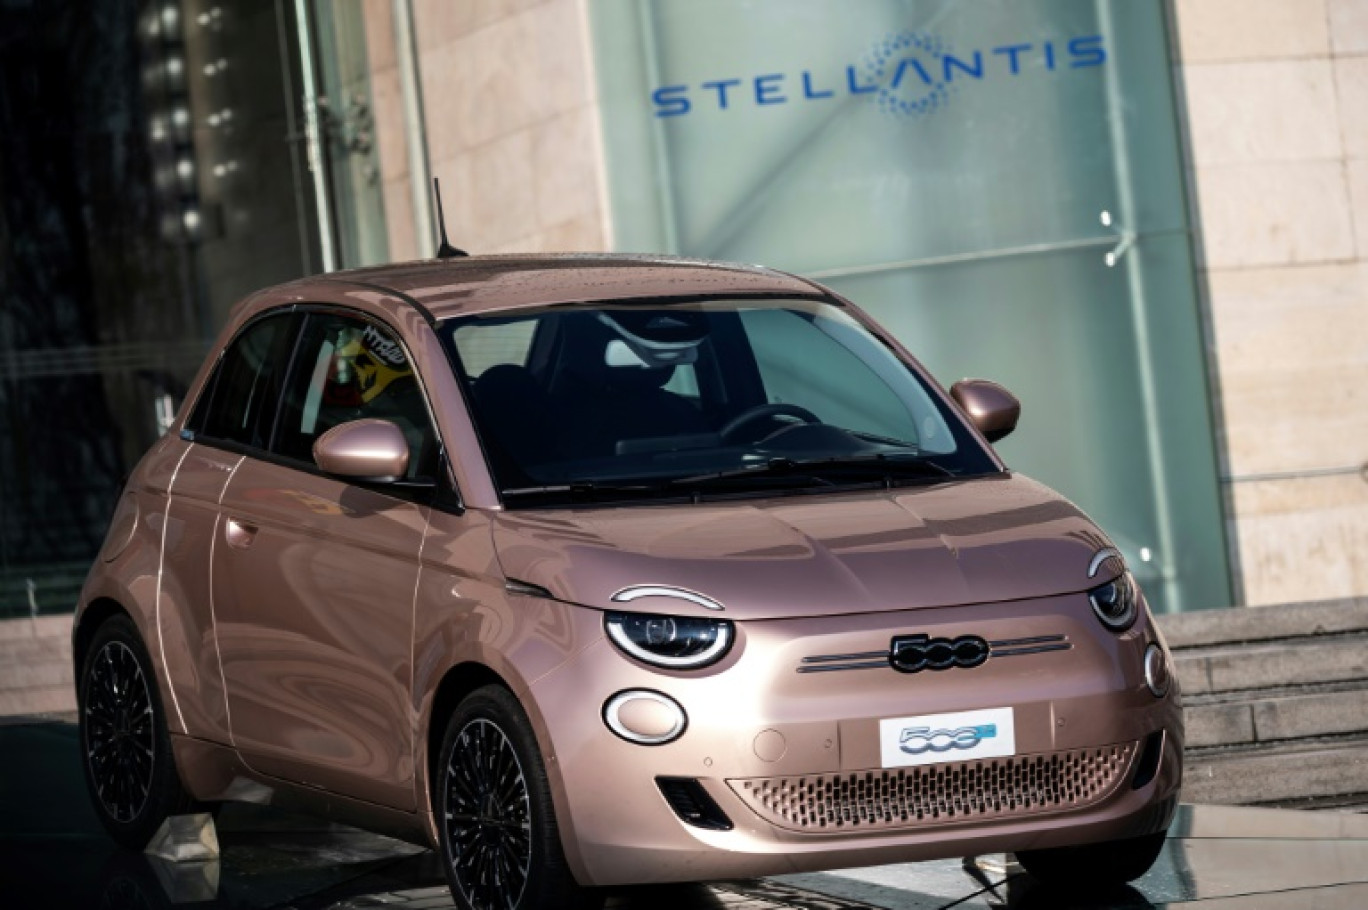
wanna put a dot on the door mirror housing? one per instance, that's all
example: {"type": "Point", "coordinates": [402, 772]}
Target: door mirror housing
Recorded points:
{"type": "Point", "coordinates": [370, 450]}
{"type": "Point", "coordinates": [990, 407]}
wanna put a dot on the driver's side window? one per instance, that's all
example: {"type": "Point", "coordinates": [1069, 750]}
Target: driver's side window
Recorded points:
{"type": "Point", "coordinates": [347, 369]}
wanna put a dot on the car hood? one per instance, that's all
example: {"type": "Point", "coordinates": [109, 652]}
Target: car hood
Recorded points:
{"type": "Point", "coordinates": [997, 538]}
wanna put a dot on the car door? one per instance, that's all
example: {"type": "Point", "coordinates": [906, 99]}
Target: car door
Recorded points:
{"type": "Point", "coordinates": [314, 577]}
{"type": "Point", "coordinates": [234, 414]}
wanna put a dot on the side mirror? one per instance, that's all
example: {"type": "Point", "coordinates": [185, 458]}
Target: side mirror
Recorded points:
{"type": "Point", "coordinates": [369, 449]}
{"type": "Point", "coordinates": [990, 407]}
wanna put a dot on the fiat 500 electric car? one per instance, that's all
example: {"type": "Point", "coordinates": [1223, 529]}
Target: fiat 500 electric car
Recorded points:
{"type": "Point", "coordinates": [597, 570]}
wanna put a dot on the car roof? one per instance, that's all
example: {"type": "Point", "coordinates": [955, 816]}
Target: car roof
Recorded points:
{"type": "Point", "coordinates": [469, 285]}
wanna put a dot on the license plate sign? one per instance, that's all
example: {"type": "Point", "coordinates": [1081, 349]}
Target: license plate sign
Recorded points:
{"type": "Point", "coordinates": [931, 739]}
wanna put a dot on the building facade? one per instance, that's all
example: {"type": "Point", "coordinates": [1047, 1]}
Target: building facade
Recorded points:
{"type": "Point", "coordinates": [1147, 218]}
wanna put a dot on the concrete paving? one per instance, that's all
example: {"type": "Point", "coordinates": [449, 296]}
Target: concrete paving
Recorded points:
{"type": "Point", "coordinates": [53, 854]}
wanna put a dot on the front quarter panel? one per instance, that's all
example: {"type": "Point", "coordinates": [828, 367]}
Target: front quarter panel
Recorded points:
{"type": "Point", "coordinates": [467, 619]}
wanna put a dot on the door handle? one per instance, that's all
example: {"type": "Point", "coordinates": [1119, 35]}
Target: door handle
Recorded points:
{"type": "Point", "coordinates": [238, 533]}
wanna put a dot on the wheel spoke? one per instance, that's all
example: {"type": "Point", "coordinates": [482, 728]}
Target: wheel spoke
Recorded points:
{"type": "Point", "coordinates": [120, 731]}
{"type": "Point", "coordinates": [487, 820]}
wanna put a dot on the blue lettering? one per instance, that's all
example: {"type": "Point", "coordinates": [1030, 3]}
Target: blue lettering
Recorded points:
{"type": "Point", "coordinates": [767, 89]}
{"type": "Point", "coordinates": [1087, 51]}
{"type": "Point", "coordinates": [855, 87]}
{"type": "Point", "coordinates": [916, 65]}
{"type": "Point", "coordinates": [809, 91]}
{"type": "Point", "coordinates": [953, 63]}
{"type": "Point", "coordinates": [1012, 50]}
{"type": "Point", "coordinates": [671, 100]}
{"type": "Point", "coordinates": [722, 85]}
{"type": "Point", "coordinates": [773, 88]}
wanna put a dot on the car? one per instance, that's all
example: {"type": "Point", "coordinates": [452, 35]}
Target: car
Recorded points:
{"type": "Point", "coordinates": [596, 570]}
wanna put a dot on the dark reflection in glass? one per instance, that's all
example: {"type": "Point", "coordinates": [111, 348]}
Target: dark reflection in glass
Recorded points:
{"type": "Point", "coordinates": [146, 181]}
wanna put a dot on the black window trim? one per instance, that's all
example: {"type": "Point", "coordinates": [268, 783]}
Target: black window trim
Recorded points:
{"type": "Point", "coordinates": [442, 492]}
{"type": "Point", "coordinates": [191, 432]}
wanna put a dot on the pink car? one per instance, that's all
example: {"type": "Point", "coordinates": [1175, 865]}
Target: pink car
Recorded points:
{"type": "Point", "coordinates": [597, 570]}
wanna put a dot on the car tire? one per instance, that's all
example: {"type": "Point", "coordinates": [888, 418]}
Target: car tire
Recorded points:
{"type": "Point", "coordinates": [130, 769]}
{"type": "Point", "coordinates": [1107, 864]}
{"type": "Point", "coordinates": [496, 822]}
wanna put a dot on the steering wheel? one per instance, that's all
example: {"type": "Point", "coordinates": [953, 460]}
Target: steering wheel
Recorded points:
{"type": "Point", "coordinates": [765, 412]}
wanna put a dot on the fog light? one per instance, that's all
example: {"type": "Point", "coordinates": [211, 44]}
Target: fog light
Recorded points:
{"type": "Point", "coordinates": [1156, 670]}
{"type": "Point", "coordinates": [644, 717]}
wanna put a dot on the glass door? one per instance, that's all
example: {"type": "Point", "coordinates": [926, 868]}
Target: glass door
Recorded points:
{"type": "Point", "coordinates": [341, 132]}
{"type": "Point", "coordinates": [999, 183]}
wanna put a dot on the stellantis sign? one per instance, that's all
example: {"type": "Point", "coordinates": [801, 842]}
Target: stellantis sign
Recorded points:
{"type": "Point", "coordinates": [909, 74]}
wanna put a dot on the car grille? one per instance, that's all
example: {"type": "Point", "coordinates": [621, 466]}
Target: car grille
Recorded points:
{"type": "Point", "coordinates": [938, 794]}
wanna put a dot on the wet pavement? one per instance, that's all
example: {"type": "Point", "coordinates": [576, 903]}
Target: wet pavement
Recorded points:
{"type": "Point", "coordinates": [53, 854]}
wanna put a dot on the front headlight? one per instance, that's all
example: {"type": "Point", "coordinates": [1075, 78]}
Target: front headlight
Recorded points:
{"type": "Point", "coordinates": [1117, 602]}
{"type": "Point", "coordinates": [677, 642]}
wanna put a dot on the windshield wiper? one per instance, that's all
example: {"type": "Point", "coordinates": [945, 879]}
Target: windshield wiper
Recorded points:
{"type": "Point", "coordinates": [909, 462]}
{"type": "Point", "coordinates": [581, 488]}
{"type": "Point", "coordinates": [879, 465]}
{"type": "Point", "coordinates": [774, 473]}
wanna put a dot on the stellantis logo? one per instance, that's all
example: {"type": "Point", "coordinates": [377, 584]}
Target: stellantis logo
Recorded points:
{"type": "Point", "coordinates": [908, 74]}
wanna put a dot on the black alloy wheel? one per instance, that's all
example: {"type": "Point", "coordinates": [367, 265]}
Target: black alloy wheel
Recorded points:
{"type": "Point", "coordinates": [119, 741]}
{"type": "Point", "coordinates": [499, 840]}
{"type": "Point", "coordinates": [487, 816]}
{"type": "Point", "coordinates": [129, 768]}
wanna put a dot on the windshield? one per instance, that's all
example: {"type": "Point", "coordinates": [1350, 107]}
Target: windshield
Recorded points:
{"type": "Point", "coordinates": [713, 398]}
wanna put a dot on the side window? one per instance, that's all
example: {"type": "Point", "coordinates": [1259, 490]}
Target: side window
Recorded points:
{"type": "Point", "coordinates": [239, 401]}
{"type": "Point", "coordinates": [347, 369]}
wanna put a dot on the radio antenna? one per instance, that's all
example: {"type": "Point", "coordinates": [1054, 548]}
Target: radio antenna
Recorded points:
{"type": "Point", "coordinates": [444, 249]}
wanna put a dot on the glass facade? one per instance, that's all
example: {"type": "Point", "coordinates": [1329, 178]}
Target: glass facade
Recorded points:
{"type": "Point", "coordinates": [159, 163]}
{"type": "Point", "coordinates": [1000, 183]}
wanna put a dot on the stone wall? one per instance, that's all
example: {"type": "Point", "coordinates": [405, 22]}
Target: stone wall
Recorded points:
{"type": "Point", "coordinates": [512, 123]}
{"type": "Point", "coordinates": [1276, 96]}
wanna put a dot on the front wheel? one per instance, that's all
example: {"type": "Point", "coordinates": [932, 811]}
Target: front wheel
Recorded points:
{"type": "Point", "coordinates": [499, 840]}
{"type": "Point", "coordinates": [1101, 865]}
{"type": "Point", "coordinates": [129, 768]}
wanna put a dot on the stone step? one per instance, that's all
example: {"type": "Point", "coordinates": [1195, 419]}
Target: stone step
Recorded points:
{"type": "Point", "coordinates": [34, 649]}
{"type": "Point", "coordinates": [1324, 710]}
{"type": "Point", "coordinates": [43, 700]}
{"type": "Point", "coordinates": [1292, 662]}
{"type": "Point", "coordinates": [44, 627]}
{"type": "Point", "coordinates": [1277, 773]}
{"type": "Point", "coordinates": [1254, 624]}
{"type": "Point", "coordinates": [35, 674]}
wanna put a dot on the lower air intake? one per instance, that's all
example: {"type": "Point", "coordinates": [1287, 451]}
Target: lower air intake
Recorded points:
{"type": "Point", "coordinates": [692, 803]}
{"type": "Point", "coordinates": [939, 794]}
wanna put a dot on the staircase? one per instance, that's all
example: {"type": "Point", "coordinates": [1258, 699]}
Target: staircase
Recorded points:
{"type": "Point", "coordinates": [1276, 703]}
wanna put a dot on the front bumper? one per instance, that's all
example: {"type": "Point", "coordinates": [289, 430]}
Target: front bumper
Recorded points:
{"type": "Point", "coordinates": [793, 759]}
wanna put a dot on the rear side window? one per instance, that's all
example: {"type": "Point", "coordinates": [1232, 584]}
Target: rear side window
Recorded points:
{"type": "Point", "coordinates": [240, 400]}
